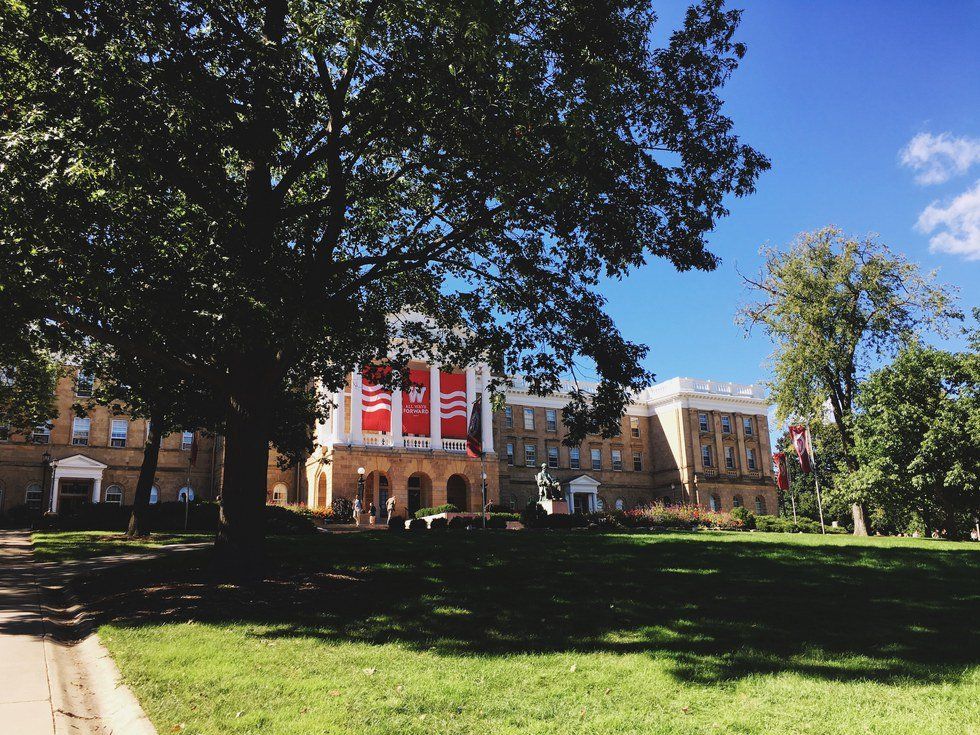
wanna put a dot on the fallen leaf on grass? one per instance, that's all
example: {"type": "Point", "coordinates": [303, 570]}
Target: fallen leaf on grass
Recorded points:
{"type": "Point", "coordinates": [573, 667]}
{"type": "Point", "coordinates": [370, 672]}
{"type": "Point", "coordinates": [334, 692]}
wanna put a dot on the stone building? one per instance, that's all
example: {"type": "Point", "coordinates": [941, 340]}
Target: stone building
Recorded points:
{"type": "Point", "coordinates": [681, 441]}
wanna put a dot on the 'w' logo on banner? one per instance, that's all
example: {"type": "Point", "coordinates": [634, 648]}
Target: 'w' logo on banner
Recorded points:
{"type": "Point", "coordinates": [416, 394]}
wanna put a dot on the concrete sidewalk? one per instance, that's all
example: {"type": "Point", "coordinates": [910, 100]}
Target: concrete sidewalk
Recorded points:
{"type": "Point", "coordinates": [25, 689]}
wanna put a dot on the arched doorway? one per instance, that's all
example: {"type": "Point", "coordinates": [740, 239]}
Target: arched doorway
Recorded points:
{"type": "Point", "coordinates": [377, 489]}
{"type": "Point", "coordinates": [458, 492]}
{"type": "Point", "coordinates": [419, 492]}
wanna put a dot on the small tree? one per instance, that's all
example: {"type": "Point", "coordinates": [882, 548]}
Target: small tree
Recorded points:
{"type": "Point", "coordinates": [916, 438]}
{"type": "Point", "coordinates": [834, 306]}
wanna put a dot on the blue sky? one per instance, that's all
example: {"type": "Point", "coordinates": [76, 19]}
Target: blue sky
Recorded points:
{"type": "Point", "coordinates": [832, 93]}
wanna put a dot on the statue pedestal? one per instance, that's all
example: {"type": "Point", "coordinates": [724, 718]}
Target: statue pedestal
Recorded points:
{"type": "Point", "coordinates": [551, 507]}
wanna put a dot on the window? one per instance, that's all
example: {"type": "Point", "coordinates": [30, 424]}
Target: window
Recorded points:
{"type": "Point", "coordinates": [185, 494]}
{"type": "Point", "coordinates": [530, 455]}
{"type": "Point", "coordinates": [154, 495]}
{"type": "Point", "coordinates": [279, 494]}
{"type": "Point", "coordinates": [574, 461]}
{"type": "Point", "coordinates": [600, 504]}
{"type": "Point", "coordinates": [703, 421]}
{"type": "Point", "coordinates": [596, 459]}
{"type": "Point", "coordinates": [637, 462]}
{"type": "Point", "coordinates": [747, 425]}
{"type": "Point", "coordinates": [33, 496]}
{"type": "Point", "coordinates": [529, 418]}
{"type": "Point", "coordinates": [120, 431]}
{"type": "Point", "coordinates": [760, 505]}
{"type": "Point", "coordinates": [42, 434]}
{"type": "Point", "coordinates": [79, 431]}
{"type": "Point", "coordinates": [510, 452]}
{"type": "Point", "coordinates": [509, 417]}
{"type": "Point", "coordinates": [551, 419]}
{"type": "Point", "coordinates": [620, 504]}
{"type": "Point", "coordinates": [706, 455]}
{"type": "Point", "coordinates": [715, 503]}
{"type": "Point", "coordinates": [83, 385]}
{"type": "Point", "coordinates": [617, 460]}
{"type": "Point", "coordinates": [634, 427]}
{"type": "Point", "coordinates": [750, 458]}
{"type": "Point", "coordinates": [114, 495]}
{"type": "Point", "coordinates": [730, 458]}
{"type": "Point", "coordinates": [186, 441]}
{"type": "Point", "coordinates": [726, 424]}
{"type": "Point", "coordinates": [737, 501]}
{"type": "Point", "coordinates": [552, 457]}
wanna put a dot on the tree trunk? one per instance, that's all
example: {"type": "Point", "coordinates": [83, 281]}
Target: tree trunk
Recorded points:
{"type": "Point", "coordinates": [138, 521]}
{"type": "Point", "coordinates": [951, 530]}
{"type": "Point", "coordinates": [241, 529]}
{"type": "Point", "coordinates": [859, 514]}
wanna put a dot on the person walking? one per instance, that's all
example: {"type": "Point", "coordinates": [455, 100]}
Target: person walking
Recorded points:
{"type": "Point", "coordinates": [358, 509]}
{"type": "Point", "coordinates": [372, 513]}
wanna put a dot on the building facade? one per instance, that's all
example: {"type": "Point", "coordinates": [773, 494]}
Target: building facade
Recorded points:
{"type": "Point", "coordinates": [681, 441]}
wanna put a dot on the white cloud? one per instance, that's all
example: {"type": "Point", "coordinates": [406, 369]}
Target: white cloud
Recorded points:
{"type": "Point", "coordinates": [938, 158]}
{"type": "Point", "coordinates": [958, 224]}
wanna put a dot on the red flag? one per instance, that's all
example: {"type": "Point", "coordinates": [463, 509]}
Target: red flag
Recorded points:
{"type": "Point", "coordinates": [452, 405]}
{"type": "Point", "coordinates": [375, 404]}
{"type": "Point", "coordinates": [474, 433]}
{"type": "Point", "coordinates": [782, 471]}
{"type": "Point", "coordinates": [415, 404]}
{"type": "Point", "coordinates": [801, 442]}
{"type": "Point", "coordinates": [194, 450]}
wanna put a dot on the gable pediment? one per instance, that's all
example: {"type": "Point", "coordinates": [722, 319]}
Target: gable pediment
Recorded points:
{"type": "Point", "coordinates": [78, 462]}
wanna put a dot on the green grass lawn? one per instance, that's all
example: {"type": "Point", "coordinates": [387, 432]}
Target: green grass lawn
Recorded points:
{"type": "Point", "coordinates": [65, 545]}
{"type": "Point", "coordinates": [557, 633]}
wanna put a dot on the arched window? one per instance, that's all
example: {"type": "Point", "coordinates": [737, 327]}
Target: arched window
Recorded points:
{"type": "Point", "coordinates": [185, 493]}
{"type": "Point", "coordinates": [760, 505]}
{"type": "Point", "coordinates": [154, 495]}
{"type": "Point", "coordinates": [33, 496]}
{"type": "Point", "coordinates": [114, 495]}
{"type": "Point", "coordinates": [279, 494]}
{"type": "Point", "coordinates": [620, 504]}
{"type": "Point", "coordinates": [715, 502]}
{"type": "Point", "coordinates": [600, 504]}
{"type": "Point", "coordinates": [737, 501]}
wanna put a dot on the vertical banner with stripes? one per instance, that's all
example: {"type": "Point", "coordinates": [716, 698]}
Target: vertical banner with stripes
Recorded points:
{"type": "Point", "coordinates": [452, 390]}
{"type": "Point", "coordinates": [375, 406]}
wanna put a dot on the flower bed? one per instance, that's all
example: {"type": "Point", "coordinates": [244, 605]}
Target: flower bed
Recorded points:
{"type": "Point", "coordinates": [658, 515]}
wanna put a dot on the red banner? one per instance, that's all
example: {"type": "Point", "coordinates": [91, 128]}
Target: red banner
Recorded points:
{"type": "Point", "coordinates": [452, 404]}
{"type": "Point", "coordinates": [474, 433]}
{"type": "Point", "coordinates": [375, 407]}
{"type": "Point", "coordinates": [415, 404]}
{"type": "Point", "coordinates": [782, 471]}
{"type": "Point", "coordinates": [801, 442]}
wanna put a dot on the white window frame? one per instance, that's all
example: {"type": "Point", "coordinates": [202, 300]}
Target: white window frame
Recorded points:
{"type": "Point", "coordinates": [113, 438]}
{"type": "Point", "coordinates": [617, 459]}
{"type": "Point", "coordinates": [635, 427]}
{"type": "Point", "coordinates": [529, 419]}
{"type": "Point", "coordinates": [620, 504]}
{"type": "Point", "coordinates": [703, 424]}
{"type": "Point", "coordinates": [41, 434]}
{"type": "Point", "coordinates": [510, 453]}
{"type": "Point", "coordinates": [530, 455]}
{"type": "Point", "coordinates": [280, 494]}
{"type": "Point", "coordinates": [574, 458]}
{"type": "Point", "coordinates": [747, 426]}
{"type": "Point", "coordinates": [154, 494]}
{"type": "Point", "coordinates": [553, 457]}
{"type": "Point", "coordinates": [550, 419]}
{"type": "Point", "coordinates": [595, 459]}
{"type": "Point", "coordinates": [32, 488]}
{"type": "Point", "coordinates": [80, 437]}
{"type": "Point", "coordinates": [109, 490]}
{"type": "Point", "coordinates": [637, 461]}
{"type": "Point", "coordinates": [186, 441]}
{"type": "Point", "coordinates": [730, 458]}
{"type": "Point", "coordinates": [509, 417]}
{"type": "Point", "coordinates": [84, 379]}
{"type": "Point", "coordinates": [189, 489]}
{"type": "Point", "coordinates": [750, 458]}
{"type": "Point", "coordinates": [726, 419]}
{"type": "Point", "coordinates": [706, 455]}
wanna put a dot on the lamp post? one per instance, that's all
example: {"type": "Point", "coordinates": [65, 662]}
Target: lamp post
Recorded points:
{"type": "Point", "coordinates": [484, 514]}
{"type": "Point", "coordinates": [360, 485]}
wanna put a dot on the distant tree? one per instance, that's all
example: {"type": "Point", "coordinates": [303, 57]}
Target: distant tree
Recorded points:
{"type": "Point", "coordinates": [269, 185]}
{"type": "Point", "coordinates": [27, 391]}
{"type": "Point", "coordinates": [834, 306]}
{"type": "Point", "coordinates": [916, 437]}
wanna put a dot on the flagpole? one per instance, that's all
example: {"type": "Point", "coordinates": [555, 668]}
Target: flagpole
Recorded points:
{"type": "Point", "coordinates": [816, 478]}
{"type": "Point", "coordinates": [792, 495]}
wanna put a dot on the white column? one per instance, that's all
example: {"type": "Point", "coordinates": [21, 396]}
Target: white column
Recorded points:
{"type": "Point", "coordinates": [396, 419]}
{"type": "Point", "coordinates": [356, 433]}
{"type": "Point", "coordinates": [97, 490]}
{"type": "Point", "coordinates": [486, 414]}
{"type": "Point", "coordinates": [337, 418]}
{"type": "Point", "coordinates": [55, 480]}
{"type": "Point", "coordinates": [470, 392]}
{"type": "Point", "coordinates": [435, 408]}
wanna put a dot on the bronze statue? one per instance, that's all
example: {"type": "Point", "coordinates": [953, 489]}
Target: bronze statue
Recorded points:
{"type": "Point", "coordinates": [548, 487]}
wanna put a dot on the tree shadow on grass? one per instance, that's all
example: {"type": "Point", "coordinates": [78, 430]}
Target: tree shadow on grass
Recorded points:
{"type": "Point", "coordinates": [712, 609]}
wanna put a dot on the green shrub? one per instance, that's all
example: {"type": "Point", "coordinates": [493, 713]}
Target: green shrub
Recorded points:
{"type": "Point", "coordinates": [533, 515]}
{"type": "Point", "coordinates": [396, 524]}
{"type": "Point", "coordinates": [459, 523]}
{"type": "Point", "coordinates": [445, 508]}
{"type": "Point", "coordinates": [683, 517]}
{"type": "Point", "coordinates": [744, 515]}
{"type": "Point", "coordinates": [343, 510]}
{"type": "Point", "coordinates": [438, 524]}
{"type": "Point", "coordinates": [417, 524]}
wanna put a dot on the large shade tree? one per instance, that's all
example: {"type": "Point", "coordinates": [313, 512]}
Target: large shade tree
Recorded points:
{"type": "Point", "coordinates": [269, 182]}
{"type": "Point", "coordinates": [834, 306]}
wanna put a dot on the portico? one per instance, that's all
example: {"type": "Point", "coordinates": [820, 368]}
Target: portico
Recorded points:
{"type": "Point", "coordinates": [73, 471]}
{"type": "Point", "coordinates": [582, 494]}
